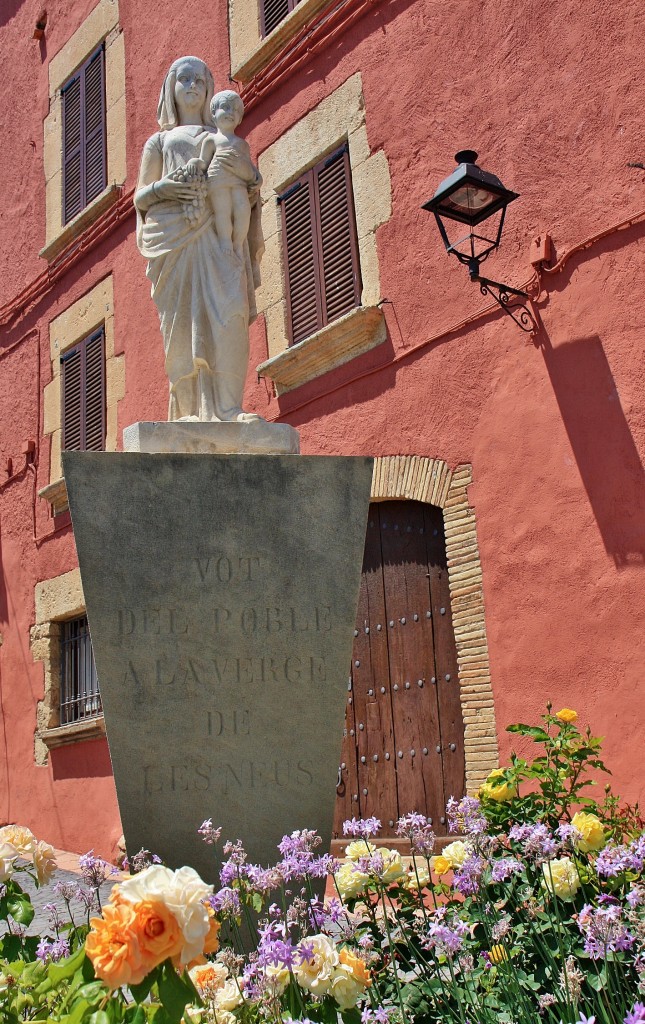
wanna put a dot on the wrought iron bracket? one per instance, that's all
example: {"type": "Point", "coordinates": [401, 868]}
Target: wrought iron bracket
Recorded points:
{"type": "Point", "coordinates": [502, 294]}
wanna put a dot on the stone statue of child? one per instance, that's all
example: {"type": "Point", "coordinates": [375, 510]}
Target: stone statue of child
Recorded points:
{"type": "Point", "coordinates": [228, 190]}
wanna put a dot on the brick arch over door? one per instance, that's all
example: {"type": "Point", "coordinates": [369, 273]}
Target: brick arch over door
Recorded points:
{"type": "Point", "coordinates": [429, 482]}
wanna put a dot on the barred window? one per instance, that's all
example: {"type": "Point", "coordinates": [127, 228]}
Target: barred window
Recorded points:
{"type": "Point", "coordinates": [84, 136]}
{"type": "Point", "coordinates": [79, 689]}
{"type": "Point", "coordinates": [320, 246]}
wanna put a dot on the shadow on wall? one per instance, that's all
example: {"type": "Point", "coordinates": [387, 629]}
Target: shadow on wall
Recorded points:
{"type": "Point", "coordinates": [89, 760]}
{"type": "Point", "coordinates": [604, 449]}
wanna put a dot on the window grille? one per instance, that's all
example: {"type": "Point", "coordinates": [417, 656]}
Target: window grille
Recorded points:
{"type": "Point", "coordinates": [79, 689]}
{"type": "Point", "coordinates": [83, 394]}
{"type": "Point", "coordinates": [84, 136]}
{"type": "Point", "coordinates": [320, 246]}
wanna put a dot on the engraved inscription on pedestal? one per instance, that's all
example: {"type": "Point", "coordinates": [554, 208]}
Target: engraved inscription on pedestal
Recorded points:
{"type": "Point", "coordinates": [221, 595]}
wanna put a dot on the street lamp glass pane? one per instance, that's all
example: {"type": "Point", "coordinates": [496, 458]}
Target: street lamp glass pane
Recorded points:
{"type": "Point", "coordinates": [470, 199]}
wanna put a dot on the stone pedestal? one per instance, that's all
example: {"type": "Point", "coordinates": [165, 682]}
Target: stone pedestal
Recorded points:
{"type": "Point", "coordinates": [221, 595]}
{"type": "Point", "coordinates": [257, 437]}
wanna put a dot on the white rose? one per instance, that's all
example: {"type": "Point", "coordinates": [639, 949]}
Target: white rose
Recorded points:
{"type": "Point", "coordinates": [418, 878]}
{"type": "Point", "coordinates": [316, 974]}
{"type": "Point", "coordinates": [278, 977]}
{"type": "Point", "coordinates": [44, 862]}
{"type": "Point", "coordinates": [344, 988]}
{"type": "Point", "coordinates": [20, 837]}
{"type": "Point", "coordinates": [349, 880]}
{"type": "Point", "coordinates": [456, 853]}
{"type": "Point", "coordinates": [228, 996]}
{"type": "Point", "coordinates": [359, 848]}
{"type": "Point", "coordinates": [8, 854]}
{"type": "Point", "coordinates": [183, 892]}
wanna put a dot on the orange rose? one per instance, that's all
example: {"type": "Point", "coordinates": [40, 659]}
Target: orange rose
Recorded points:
{"type": "Point", "coordinates": [113, 947]}
{"type": "Point", "coordinates": [211, 942]}
{"type": "Point", "coordinates": [157, 931]}
{"type": "Point", "coordinates": [357, 966]}
{"type": "Point", "coordinates": [567, 715]}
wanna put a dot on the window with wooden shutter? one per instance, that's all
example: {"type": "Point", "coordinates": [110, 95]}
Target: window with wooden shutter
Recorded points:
{"type": "Point", "coordinates": [83, 394]}
{"type": "Point", "coordinates": [84, 136]}
{"type": "Point", "coordinates": [272, 12]}
{"type": "Point", "coordinates": [320, 246]}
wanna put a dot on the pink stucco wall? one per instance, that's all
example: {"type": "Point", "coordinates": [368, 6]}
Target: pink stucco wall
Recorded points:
{"type": "Point", "coordinates": [552, 98]}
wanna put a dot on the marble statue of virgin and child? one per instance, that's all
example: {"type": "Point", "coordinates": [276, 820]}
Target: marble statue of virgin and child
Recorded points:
{"type": "Point", "coordinates": [198, 225]}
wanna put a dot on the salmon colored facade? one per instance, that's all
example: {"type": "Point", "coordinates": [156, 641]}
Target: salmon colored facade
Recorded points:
{"type": "Point", "coordinates": [552, 426]}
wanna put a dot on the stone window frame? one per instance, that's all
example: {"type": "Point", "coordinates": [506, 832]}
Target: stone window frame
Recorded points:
{"type": "Point", "coordinates": [92, 310]}
{"type": "Point", "coordinates": [100, 26]}
{"type": "Point", "coordinates": [338, 119]}
{"type": "Point", "coordinates": [417, 478]}
{"type": "Point", "coordinates": [250, 51]}
{"type": "Point", "coordinates": [57, 600]}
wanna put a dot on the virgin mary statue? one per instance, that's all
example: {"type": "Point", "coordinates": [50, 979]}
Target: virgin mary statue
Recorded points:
{"type": "Point", "coordinates": [205, 296]}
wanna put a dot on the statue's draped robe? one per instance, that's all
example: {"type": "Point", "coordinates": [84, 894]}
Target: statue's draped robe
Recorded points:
{"type": "Point", "coordinates": [205, 299]}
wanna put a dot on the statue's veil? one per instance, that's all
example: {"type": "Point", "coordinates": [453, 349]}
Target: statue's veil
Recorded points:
{"type": "Point", "coordinates": [167, 109]}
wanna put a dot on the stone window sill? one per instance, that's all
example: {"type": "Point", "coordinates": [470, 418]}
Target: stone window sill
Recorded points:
{"type": "Point", "coordinates": [276, 40]}
{"type": "Point", "coordinates": [71, 231]}
{"type": "Point", "coordinates": [56, 494]}
{"type": "Point", "coordinates": [75, 732]}
{"type": "Point", "coordinates": [349, 336]}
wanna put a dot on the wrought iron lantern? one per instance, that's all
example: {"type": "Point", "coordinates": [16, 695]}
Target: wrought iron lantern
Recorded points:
{"type": "Point", "coordinates": [470, 196]}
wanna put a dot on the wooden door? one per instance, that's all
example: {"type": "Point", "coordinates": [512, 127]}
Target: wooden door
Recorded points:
{"type": "Point", "coordinates": [403, 745]}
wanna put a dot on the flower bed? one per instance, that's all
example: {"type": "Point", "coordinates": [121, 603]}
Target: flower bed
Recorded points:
{"type": "Point", "coordinates": [534, 912]}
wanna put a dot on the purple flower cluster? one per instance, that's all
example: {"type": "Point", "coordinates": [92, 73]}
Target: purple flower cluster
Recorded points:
{"type": "Point", "coordinates": [209, 834]}
{"type": "Point", "coordinates": [299, 860]}
{"type": "Point", "coordinates": [636, 1015]}
{"type": "Point", "coordinates": [226, 902]}
{"type": "Point", "coordinates": [52, 951]}
{"type": "Point", "coordinates": [467, 877]}
{"type": "Point", "coordinates": [142, 860]}
{"type": "Point", "coordinates": [536, 841]}
{"type": "Point", "coordinates": [235, 868]}
{"type": "Point", "coordinates": [445, 936]}
{"type": "Point", "coordinates": [378, 1014]}
{"type": "Point", "coordinates": [504, 868]}
{"type": "Point", "coordinates": [418, 830]}
{"type": "Point", "coordinates": [362, 829]}
{"type": "Point", "coordinates": [614, 860]}
{"type": "Point", "coordinates": [94, 870]}
{"type": "Point", "coordinates": [465, 816]}
{"type": "Point", "coordinates": [604, 928]}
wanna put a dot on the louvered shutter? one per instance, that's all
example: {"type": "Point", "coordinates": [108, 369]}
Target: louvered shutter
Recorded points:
{"type": "Point", "coordinates": [72, 149]}
{"type": "Point", "coordinates": [83, 394]}
{"type": "Point", "coordinates": [272, 12]}
{"type": "Point", "coordinates": [72, 384]}
{"type": "Point", "coordinates": [320, 246]}
{"type": "Point", "coordinates": [84, 136]}
{"type": "Point", "coordinates": [94, 393]}
{"type": "Point", "coordinates": [340, 277]}
{"type": "Point", "coordinates": [95, 162]}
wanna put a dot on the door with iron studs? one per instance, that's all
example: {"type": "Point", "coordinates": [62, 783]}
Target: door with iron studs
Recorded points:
{"type": "Point", "coordinates": [403, 743]}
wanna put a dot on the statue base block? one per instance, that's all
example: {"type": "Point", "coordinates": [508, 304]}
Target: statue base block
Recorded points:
{"type": "Point", "coordinates": [256, 437]}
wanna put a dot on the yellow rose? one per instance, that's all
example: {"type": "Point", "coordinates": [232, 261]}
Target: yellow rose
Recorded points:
{"type": "Point", "coordinates": [344, 988]}
{"type": "Point", "coordinates": [498, 791]}
{"type": "Point", "coordinates": [392, 865]}
{"type": "Point", "coordinates": [350, 881]}
{"type": "Point", "coordinates": [497, 954]}
{"type": "Point", "coordinates": [44, 862]}
{"type": "Point", "coordinates": [561, 877]}
{"type": "Point", "coordinates": [567, 715]}
{"type": "Point", "coordinates": [357, 966]}
{"type": "Point", "coordinates": [456, 853]}
{"type": "Point", "coordinates": [208, 978]}
{"type": "Point", "coordinates": [440, 865]}
{"type": "Point", "coordinates": [229, 996]}
{"type": "Point", "coordinates": [593, 834]}
{"type": "Point", "coordinates": [316, 973]}
{"type": "Point", "coordinates": [359, 848]}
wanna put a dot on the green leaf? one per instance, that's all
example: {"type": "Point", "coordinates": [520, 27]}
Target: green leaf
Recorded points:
{"type": "Point", "coordinates": [65, 969]}
{"type": "Point", "coordinates": [350, 1016]}
{"type": "Point", "coordinates": [534, 731]}
{"type": "Point", "coordinates": [256, 901]}
{"type": "Point", "coordinates": [135, 1015]}
{"type": "Point", "coordinates": [142, 990]}
{"type": "Point", "coordinates": [20, 909]}
{"type": "Point", "coordinates": [10, 947]}
{"type": "Point", "coordinates": [174, 994]}
{"type": "Point", "coordinates": [99, 1017]}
